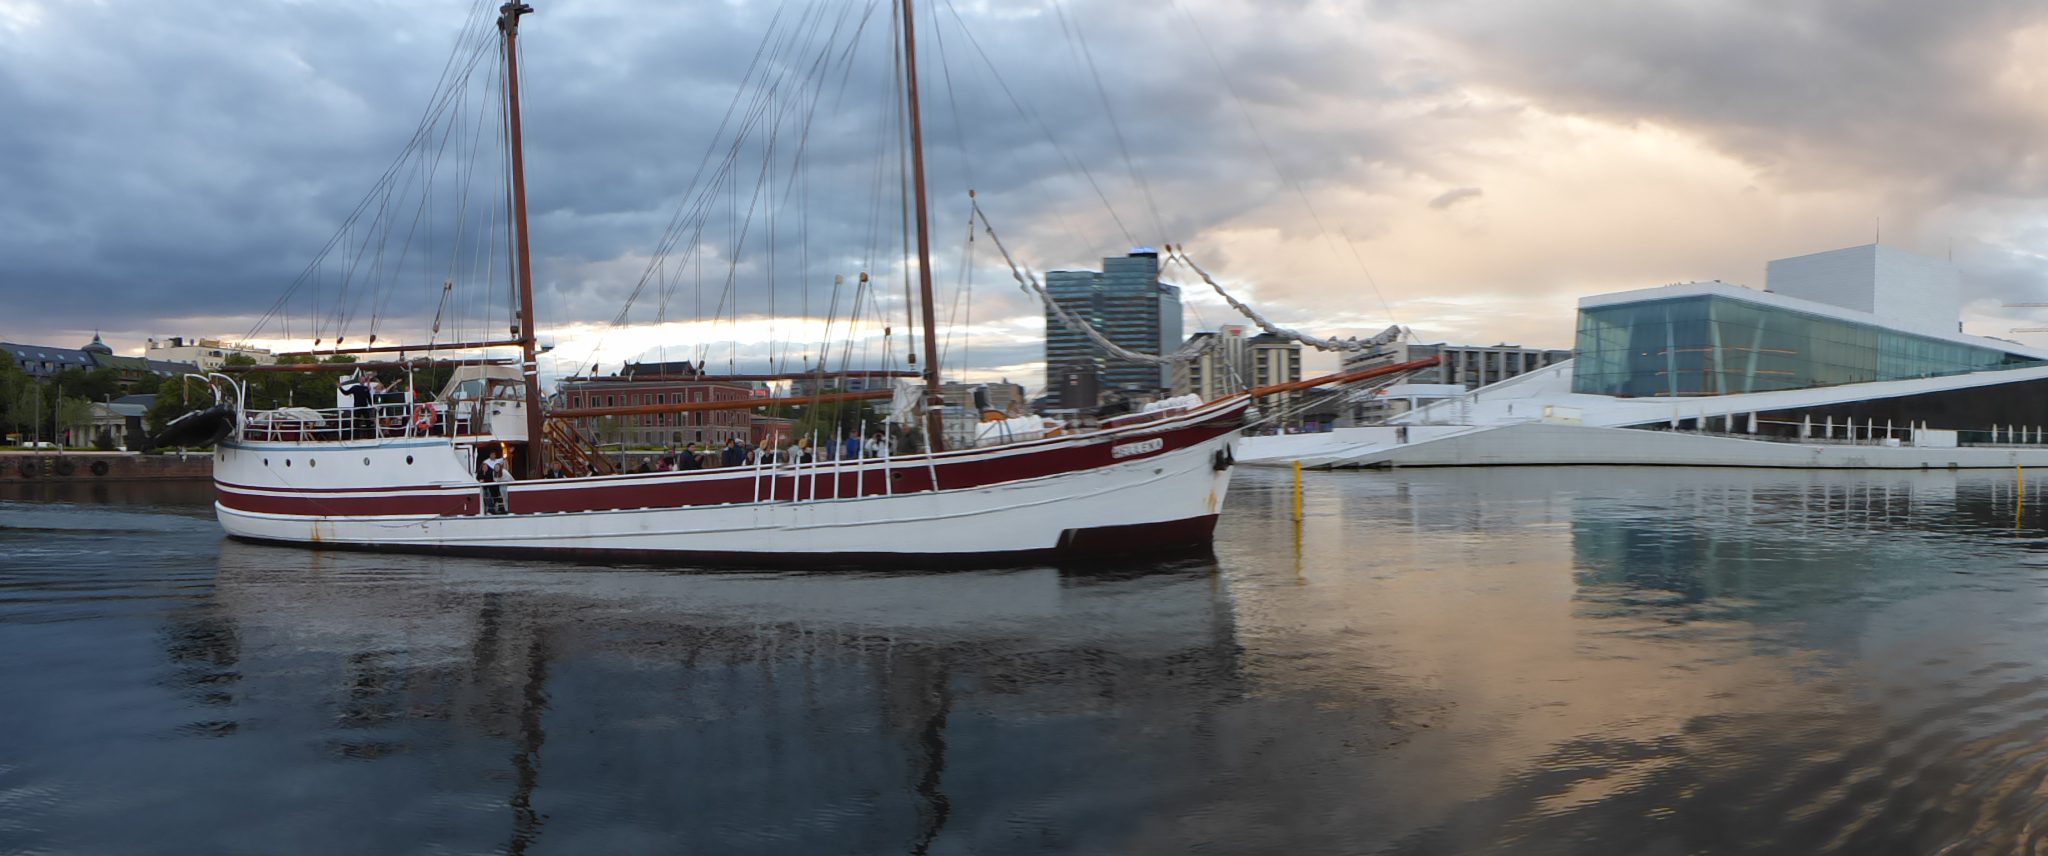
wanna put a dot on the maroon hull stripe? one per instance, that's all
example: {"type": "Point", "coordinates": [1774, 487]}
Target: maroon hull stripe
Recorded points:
{"type": "Point", "coordinates": [723, 487]}
{"type": "Point", "coordinates": [342, 506]}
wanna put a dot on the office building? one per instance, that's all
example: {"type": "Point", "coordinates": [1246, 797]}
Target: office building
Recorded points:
{"type": "Point", "coordinates": [1127, 303]}
{"type": "Point", "coordinates": [1236, 362]}
{"type": "Point", "coordinates": [1468, 366]}
{"type": "Point", "coordinates": [814, 385]}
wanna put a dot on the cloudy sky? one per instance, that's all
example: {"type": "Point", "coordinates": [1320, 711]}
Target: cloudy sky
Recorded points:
{"type": "Point", "coordinates": [1464, 168]}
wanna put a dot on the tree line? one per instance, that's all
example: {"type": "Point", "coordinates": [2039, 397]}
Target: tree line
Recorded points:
{"type": "Point", "coordinates": [32, 409]}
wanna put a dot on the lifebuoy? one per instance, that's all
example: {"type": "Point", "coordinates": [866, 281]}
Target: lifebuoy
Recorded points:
{"type": "Point", "coordinates": [423, 418]}
{"type": "Point", "coordinates": [65, 467]}
{"type": "Point", "coordinates": [99, 468]}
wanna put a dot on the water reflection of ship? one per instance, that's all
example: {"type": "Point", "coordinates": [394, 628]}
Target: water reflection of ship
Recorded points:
{"type": "Point", "coordinates": [826, 709]}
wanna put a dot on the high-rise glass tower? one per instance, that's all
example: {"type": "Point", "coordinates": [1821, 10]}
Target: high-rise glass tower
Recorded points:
{"type": "Point", "coordinates": [1128, 304]}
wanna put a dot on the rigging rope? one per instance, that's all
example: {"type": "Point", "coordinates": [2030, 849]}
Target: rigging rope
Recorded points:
{"type": "Point", "coordinates": [468, 50]}
{"type": "Point", "coordinates": [1178, 254]}
{"type": "Point", "coordinates": [1230, 86]}
{"type": "Point", "coordinates": [1046, 130]}
{"type": "Point", "coordinates": [1294, 405]}
{"type": "Point", "coordinates": [1028, 281]}
{"type": "Point", "coordinates": [1074, 37]}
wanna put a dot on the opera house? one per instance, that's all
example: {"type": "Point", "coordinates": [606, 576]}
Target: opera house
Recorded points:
{"type": "Point", "coordinates": [1849, 358]}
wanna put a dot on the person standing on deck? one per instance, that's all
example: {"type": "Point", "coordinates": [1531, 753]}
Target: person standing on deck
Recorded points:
{"type": "Point", "coordinates": [361, 393]}
{"type": "Point", "coordinates": [491, 474]}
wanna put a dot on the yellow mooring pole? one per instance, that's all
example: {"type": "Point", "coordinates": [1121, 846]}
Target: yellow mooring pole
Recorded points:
{"type": "Point", "coordinates": [1297, 490]}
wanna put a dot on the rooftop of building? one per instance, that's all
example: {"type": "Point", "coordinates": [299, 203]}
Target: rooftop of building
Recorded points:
{"type": "Point", "coordinates": [23, 351]}
{"type": "Point", "coordinates": [1259, 339]}
{"type": "Point", "coordinates": [185, 342]}
{"type": "Point", "coordinates": [46, 359]}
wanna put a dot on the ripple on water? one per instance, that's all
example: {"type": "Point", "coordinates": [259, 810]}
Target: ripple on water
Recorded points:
{"type": "Point", "coordinates": [1515, 661]}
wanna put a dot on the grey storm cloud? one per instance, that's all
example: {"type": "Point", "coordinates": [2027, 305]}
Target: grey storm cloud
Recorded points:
{"type": "Point", "coordinates": [188, 163]}
{"type": "Point", "coordinates": [1812, 92]}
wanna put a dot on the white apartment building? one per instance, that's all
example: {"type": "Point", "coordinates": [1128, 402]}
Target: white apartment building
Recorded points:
{"type": "Point", "coordinates": [207, 354]}
{"type": "Point", "coordinates": [1237, 362]}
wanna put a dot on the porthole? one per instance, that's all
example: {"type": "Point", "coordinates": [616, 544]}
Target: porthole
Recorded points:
{"type": "Point", "coordinates": [366, 462]}
{"type": "Point", "coordinates": [408, 460]}
{"type": "Point", "coordinates": [287, 462]}
{"type": "Point", "coordinates": [266, 462]}
{"type": "Point", "coordinates": [312, 462]}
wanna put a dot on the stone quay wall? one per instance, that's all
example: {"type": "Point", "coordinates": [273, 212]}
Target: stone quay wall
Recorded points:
{"type": "Point", "coordinates": [104, 466]}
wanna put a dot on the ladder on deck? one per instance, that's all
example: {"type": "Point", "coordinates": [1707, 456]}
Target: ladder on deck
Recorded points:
{"type": "Point", "coordinates": [575, 452]}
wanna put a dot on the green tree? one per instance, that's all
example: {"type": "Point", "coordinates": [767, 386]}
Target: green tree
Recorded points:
{"type": "Point", "coordinates": [12, 381]}
{"type": "Point", "coordinates": [266, 390]}
{"type": "Point", "coordinates": [30, 412]}
{"type": "Point", "coordinates": [94, 385]}
{"type": "Point", "coordinates": [835, 419]}
{"type": "Point", "coordinates": [176, 397]}
{"type": "Point", "coordinates": [74, 417]}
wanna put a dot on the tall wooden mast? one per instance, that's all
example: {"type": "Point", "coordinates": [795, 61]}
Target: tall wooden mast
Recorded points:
{"type": "Point", "coordinates": [935, 419]}
{"type": "Point", "coordinates": [535, 462]}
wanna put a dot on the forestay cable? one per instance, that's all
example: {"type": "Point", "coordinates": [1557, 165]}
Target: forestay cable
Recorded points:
{"type": "Point", "coordinates": [1028, 281]}
{"type": "Point", "coordinates": [1178, 254]}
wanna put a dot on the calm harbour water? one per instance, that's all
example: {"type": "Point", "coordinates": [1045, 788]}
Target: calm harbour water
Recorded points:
{"type": "Point", "coordinates": [1462, 661]}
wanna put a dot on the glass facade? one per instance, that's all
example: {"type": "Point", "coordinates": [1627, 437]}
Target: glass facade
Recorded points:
{"type": "Point", "coordinates": [1126, 302]}
{"type": "Point", "coordinates": [1712, 345]}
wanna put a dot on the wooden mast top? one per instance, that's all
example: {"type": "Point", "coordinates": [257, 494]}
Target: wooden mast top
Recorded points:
{"type": "Point", "coordinates": [535, 460]}
{"type": "Point", "coordinates": [935, 419]}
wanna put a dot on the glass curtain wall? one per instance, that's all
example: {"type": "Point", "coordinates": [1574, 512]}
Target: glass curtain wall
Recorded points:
{"type": "Point", "coordinates": [1709, 345]}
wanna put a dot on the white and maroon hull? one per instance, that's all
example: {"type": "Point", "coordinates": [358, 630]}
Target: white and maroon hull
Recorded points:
{"type": "Point", "coordinates": [1155, 486]}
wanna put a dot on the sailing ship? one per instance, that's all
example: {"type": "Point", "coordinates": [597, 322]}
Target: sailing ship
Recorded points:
{"type": "Point", "coordinates": [404, 476]}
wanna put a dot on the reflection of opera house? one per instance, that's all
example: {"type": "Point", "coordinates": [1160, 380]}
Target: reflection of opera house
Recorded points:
{"type": "Point", "coordinates": [1850, 358]}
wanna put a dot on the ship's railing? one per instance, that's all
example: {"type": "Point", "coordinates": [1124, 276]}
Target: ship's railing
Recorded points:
{"type": "Point", "coordinates": [395, 420]}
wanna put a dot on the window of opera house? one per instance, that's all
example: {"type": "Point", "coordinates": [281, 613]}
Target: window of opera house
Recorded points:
{"type": "Point", "coordinates": [1712, 345]}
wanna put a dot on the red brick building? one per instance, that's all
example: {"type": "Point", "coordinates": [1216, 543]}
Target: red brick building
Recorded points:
{"type": "Point", "coordinates": [773, 431]}
{"type": "Point", "coordinates": [660, 383]}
